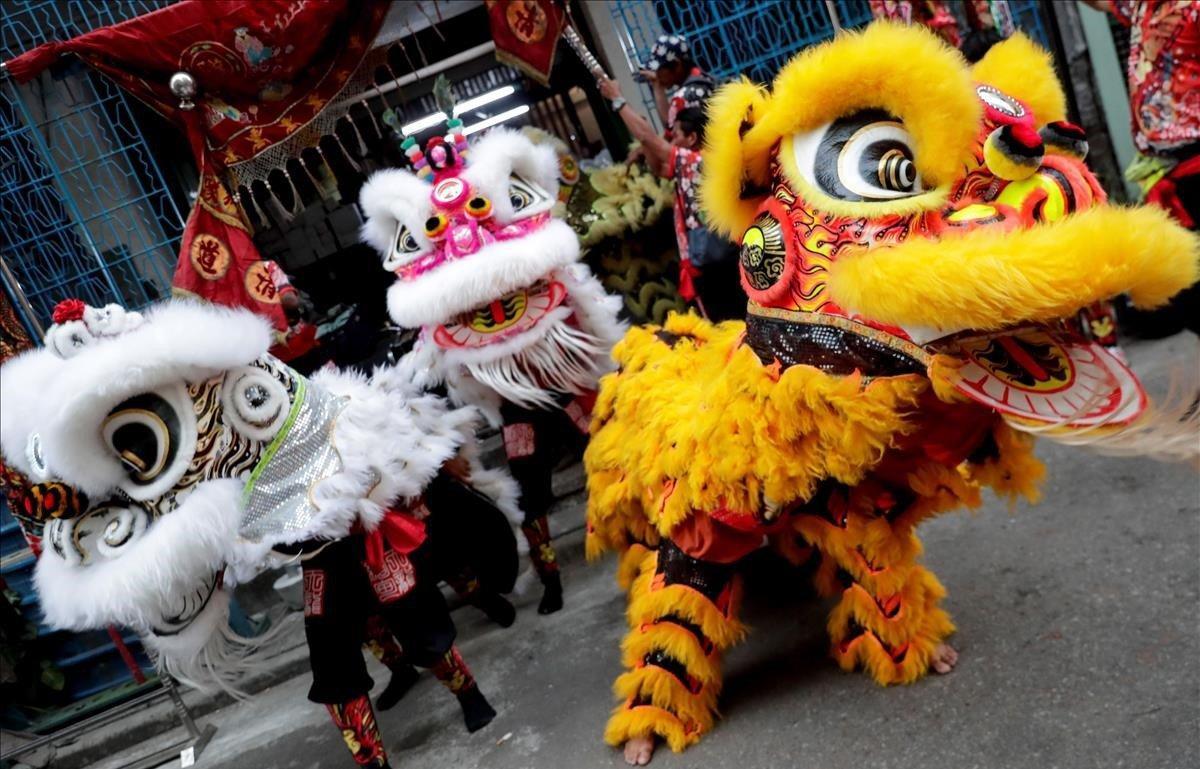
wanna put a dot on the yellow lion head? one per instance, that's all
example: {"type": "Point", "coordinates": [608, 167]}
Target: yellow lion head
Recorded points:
{"type": "Point", "coordinates": [884, 180]}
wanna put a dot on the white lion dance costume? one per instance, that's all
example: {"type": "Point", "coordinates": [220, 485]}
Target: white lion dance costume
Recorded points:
{"type": "Point", "coordinates": [168, 451]}
{"type": "Point", "coordinates": [912, 236]}
{"type": "Point", "coordinates": [510, 321]}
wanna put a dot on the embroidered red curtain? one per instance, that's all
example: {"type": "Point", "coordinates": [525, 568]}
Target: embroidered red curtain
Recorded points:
{"type": "Point", "coordinates": [263, 69]}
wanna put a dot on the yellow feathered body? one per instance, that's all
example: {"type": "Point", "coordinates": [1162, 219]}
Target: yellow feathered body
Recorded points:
{"type": "Point", "coordinates": [903, 333]}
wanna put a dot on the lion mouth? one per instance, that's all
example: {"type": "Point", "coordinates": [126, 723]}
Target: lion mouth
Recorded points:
{"type": "Point", "coordinates": [188, 607]}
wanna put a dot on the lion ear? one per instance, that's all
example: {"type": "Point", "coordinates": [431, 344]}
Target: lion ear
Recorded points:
{"type": "Point", "coordinates": [734, 176]}
{"type": "Point", "coordinates": [1021, 68]}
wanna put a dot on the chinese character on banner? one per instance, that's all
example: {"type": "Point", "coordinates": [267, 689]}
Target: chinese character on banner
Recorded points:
{"type": "Point", "coordinates": [526, 34]}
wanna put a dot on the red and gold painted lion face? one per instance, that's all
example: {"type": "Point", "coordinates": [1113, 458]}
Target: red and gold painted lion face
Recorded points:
{"type": "Point", "coordinates": [894, 204]}
{"type": "Point", "coordinates": [924, 199]}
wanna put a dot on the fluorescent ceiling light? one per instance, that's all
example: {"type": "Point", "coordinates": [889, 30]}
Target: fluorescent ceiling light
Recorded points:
{"type": "Point", "coordinates": [417, 126]}
{"type": "Point", "coordinates": [496, 119]}
{"type": "Point", "coordinates": [482, 99]}
{"type": "Point", "coordinates": [420, 125]}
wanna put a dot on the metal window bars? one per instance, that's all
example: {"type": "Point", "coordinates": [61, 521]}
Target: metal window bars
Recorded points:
{"type": "Point", "coordinates": [731, 38]}
{"type": "Point", "coordinates": [84, 208]}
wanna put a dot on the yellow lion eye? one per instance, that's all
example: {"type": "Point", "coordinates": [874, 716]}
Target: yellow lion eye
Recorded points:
{"type": "Point", "coordinates": [479, 207]}
{"type": "Point", "coordinates": [436, 225]}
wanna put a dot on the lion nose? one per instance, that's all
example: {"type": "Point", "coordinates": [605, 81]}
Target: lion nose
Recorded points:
{"type": "Point", "coordinates": [464, 238]}
{"type": "Point", "coordinates": [1013, 152]}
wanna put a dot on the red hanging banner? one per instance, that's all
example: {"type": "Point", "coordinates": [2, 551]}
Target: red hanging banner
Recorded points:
{"type": "Point", "coordinates": [263, 70]}
{"type": "Point", "coordinates": [526, 34]}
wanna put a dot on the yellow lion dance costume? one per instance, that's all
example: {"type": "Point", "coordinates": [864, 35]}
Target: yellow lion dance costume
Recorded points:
{"type": "Point", "coordinates": [914, 230]}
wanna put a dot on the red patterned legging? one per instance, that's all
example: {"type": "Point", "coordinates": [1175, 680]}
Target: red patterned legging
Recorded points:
{"type": "Point", "coordinates": [356, 720]}
{"type": "Point", "coordinates": [541, 552]}
{"type": "Point", "coordinates": [453, 672]}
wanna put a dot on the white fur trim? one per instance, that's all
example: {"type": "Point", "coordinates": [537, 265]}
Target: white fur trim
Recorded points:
{"type": "Point", "coordinates": [25, 405]}
{"type": "Point", "coordinates": [391, 447]}
{"type": "Point", "coordinates": [179, 341]}
{"type": "Point", "coordinates": [531, 369]}
{"type": "Point", "coordinates": [391, 196]}
{"type": "Point", "coordinates": [208, 655]}
{"type": "Point", "coordinates": [444, 293]}
{"type": "Point", "coordinates": [499, 155]}
{"type": "Point", "coordinates": [175, 556]}
{"type": "Point", "coordinates": [596, 310]}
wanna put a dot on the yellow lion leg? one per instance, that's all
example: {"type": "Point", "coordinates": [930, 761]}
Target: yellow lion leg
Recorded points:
{"type": "Point", "coordinates": [888, 620]}
{"type": "Point", "coordinates": [681, 617]}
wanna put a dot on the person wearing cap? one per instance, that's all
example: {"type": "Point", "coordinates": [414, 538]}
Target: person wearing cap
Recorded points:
{"type": "Point", "coordinates": [676, 81]}
{"type": "Point", "coordinates": [708, 276]}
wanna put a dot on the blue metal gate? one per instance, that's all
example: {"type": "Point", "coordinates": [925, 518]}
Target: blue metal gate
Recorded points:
{"type": "Point", "coordinates": [84, 212]}
{"type": "Point", "coordinates": [84, 209]}
{"type": "Point", "coordinates": [730, 38]}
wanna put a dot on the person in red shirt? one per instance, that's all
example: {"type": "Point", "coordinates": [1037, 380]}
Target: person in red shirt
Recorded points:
{"type": "Point", "coordinates": [708, 276]}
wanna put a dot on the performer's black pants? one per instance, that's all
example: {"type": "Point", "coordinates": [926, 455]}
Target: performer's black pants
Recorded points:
{"type": "Point", "coordinates": [339, 598]}
{"type": "Point", "coordinates": [553, 435]}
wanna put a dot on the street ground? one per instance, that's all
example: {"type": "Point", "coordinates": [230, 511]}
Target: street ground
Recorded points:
{"type": "Point", "coordinates": [1079, 634]}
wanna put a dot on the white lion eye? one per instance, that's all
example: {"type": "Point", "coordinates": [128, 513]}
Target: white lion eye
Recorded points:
{"type": "Point", "coordinates": [153, 435]}
{"type": "Point", "coordinates": [527, 198]}
{"type": "Point", "coordinates": [405, 248]}
{"type": "Point", "coordinates": [255, 403]}
{"type": "Point", "coordinates": [864, 157]}
{"type": "Point", "coordinates": [36, 458]}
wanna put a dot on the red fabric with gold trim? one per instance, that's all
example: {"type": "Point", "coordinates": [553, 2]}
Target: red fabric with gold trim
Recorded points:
{"type": "Point", "coordinates": [263, 70]}
{"type": "Point", "coordinates": [526, 33]}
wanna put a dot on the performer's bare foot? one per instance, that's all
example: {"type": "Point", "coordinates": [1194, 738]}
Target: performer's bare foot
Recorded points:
{"type": "Point", "coordinates": [639, 750]}
{"type": "Point", "coordinates": [944, 658]}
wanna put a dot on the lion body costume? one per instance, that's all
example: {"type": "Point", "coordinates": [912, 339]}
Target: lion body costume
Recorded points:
{"type": "Point", "coordinates": [171, 452]}
{"type": "Point", "coordinates": [511, 321]}
{"type": "Point", "coordinates": [912, 236]}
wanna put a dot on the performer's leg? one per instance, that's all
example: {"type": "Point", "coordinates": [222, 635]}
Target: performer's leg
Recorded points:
{"type": "Point", "coordinates": [681, 617]}
{"type": "Point", "coordinates": [545, 562]}
{"type": "Point", "coordinates": [451, 506]}
{"type": "Point", "coordinates": [889, 619]}
{"type": "Point", "coordinates": [360, 731]}
{"type": "Point", "coordinates": [421, 622]}
{"type": "Point", "coordinates": [495, 606]}
{"type": "Point", "coordinates": [529, 444]}
{"type": "Point", "coordinates": [336, 600]}
{"type": "Point", "coordinates": [386, 649]}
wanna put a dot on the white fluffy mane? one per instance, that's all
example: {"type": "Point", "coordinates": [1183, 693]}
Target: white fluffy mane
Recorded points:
{"type": "Point", "coordinates": [461, 285]}
{"type": "Point", "coordinates": [180, 341]}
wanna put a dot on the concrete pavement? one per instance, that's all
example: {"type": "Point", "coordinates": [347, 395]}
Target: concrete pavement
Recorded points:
{"type": "Point", "coordinates": [1079, 633]}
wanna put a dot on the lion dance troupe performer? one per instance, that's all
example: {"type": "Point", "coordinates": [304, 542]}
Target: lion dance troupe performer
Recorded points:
{"type": "Point", "coordinates": [511, 321]}
{"type": "Point", "coordinates": [911, 239]}
{"type": "Point", "coordinates": [171, 451]}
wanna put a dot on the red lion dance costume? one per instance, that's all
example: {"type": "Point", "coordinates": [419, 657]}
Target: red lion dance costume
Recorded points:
{"type": "Point", "coordinates": [912, 237]}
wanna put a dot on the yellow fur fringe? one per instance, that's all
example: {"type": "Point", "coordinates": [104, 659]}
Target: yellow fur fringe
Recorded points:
{"type": "Point", "coordinates": [1021, 68]}
{"type": "Point", "coordinates": [705, 425]}
{"type": "Point", "coordinates": [628, 722]}
{"type": "Point", "coordinates": [680, 644]}
{"type": "Point", "coordinates": [985, 280]}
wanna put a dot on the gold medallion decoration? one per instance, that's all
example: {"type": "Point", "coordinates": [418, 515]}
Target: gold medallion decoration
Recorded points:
{"type": "Point", "coordinates": [209, 256]}
{"type": "Point", "coordinates": [260, 285]}
{"type": "Point", "coordinates": [763, 255]}
{"type": "Point", "coordinates": [211, 61]}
